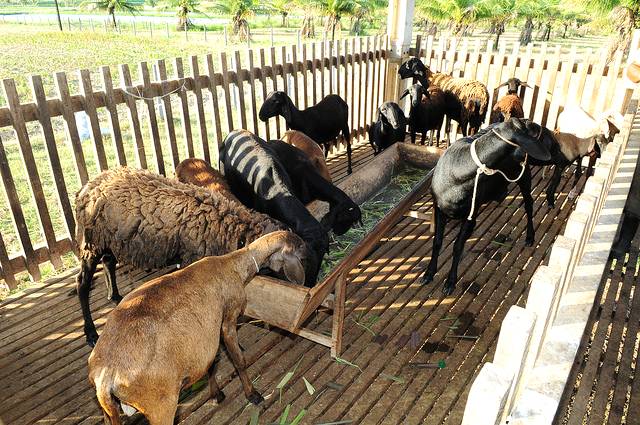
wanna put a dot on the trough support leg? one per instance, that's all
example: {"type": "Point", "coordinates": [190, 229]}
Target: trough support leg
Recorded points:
{"type": "Point", "coordinates": [338, 316]}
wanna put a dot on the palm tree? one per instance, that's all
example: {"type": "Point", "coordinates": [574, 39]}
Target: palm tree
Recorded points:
{"type": "Point", "coordinates": [111, 6]}
{"type": "Point", "coordinates": [184, 8]}
{"type": "Point", "coordinates": [282, 8]}
{"type": "Point", "coordinates": [364, 11]}
{"type": "Point", "coordinates": [241, 11]}
{"type": "Point", "coordinates": [432, 14]}
{"type": "Point", "coordinates": [498, 12]}
{"type": "Point", "coordinates": [624, 15]}
{"type": "Point", "coordinates": [539, 10]}
{"type": "Point", "coordinates": [334, 10]}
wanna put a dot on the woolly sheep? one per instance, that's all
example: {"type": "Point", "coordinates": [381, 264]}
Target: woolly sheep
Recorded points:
{"type": "Point", "coordinates": [198, 172]}
{"type": "Point", "coordinates": [146, 220]}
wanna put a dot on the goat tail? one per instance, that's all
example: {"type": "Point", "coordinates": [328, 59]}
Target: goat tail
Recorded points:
{"type": "Point", "coordinates": [109, 403]}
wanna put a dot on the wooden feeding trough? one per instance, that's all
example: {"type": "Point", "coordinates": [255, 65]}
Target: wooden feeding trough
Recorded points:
{"type": "Point", "coordinates": [289, 306]}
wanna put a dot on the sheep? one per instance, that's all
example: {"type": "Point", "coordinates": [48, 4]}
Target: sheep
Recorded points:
{"type": "Point", "coordinates": [509, 105]}
{"type": "Point", "coordinates": [322, 122]}
{"type": "Point", "coordinates": [459, 189]}
{"type": "Point", "coordinates": [566, 148]}
{"type": "Point", "coordinates": [467, 100]}
{"type": "Point", "coordinates": [575, 120]}
{"type": "Point", "coordinates": [426, 113]}
{"type": "Point", "coordinates": [198, 172]}
{"type": "Point", "coordinates": [310, 148]}
{"type": "Point", "coordinates": [148, 221]}
{"type": "Point", "coordinates": [277, 179]}
{"type": "Point", "coordinates": [164, 335]}
{"type": "Point", "coordinates": [389, 127]}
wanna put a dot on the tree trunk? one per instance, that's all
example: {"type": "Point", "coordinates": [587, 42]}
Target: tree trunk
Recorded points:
{"type": "Point", "coordinates": [566, 26]}
{"type": "Point", "coordinates": [58, 13]}
{"type": "Point", "coordinates": [112, 12]}
{"type": "Point", "coordinates": [525, 34]}
{"type": "Point", "coordinates": [284, 19]}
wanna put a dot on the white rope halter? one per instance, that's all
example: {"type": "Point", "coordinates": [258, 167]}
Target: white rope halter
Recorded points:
{"type": "Point", "coordinates": [256, 263]}
{"type": "Point", "coordinates": [483, 169]}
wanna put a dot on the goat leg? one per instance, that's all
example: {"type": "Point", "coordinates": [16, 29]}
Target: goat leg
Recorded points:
{"type": "Point", "coordinates": [553, 185]}
{"type": "Point", "coordinates": [230, 337]}
{"type": "Point", "coordinates": [440, 222]}
{"type": "Point", "coordinates": [214, 388]}
{"type": "Point", "coordinates": [83, 282]}
{"type": "Point", "coordinates": [109, 263]}
{"type": "Point", "coordinates": [347, 139]}
{"type": "Point", "coordinates": [466, 229]}
{"type": "Point", "coordinates": [525, 188]}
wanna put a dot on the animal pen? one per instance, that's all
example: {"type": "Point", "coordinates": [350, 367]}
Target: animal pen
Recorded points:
{"type": "Point", "coordinates": [401, 353]}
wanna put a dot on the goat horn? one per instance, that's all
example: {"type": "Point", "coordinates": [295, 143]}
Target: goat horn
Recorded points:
{"type": "Point", "coordinates": [406, 92]}
{"type": "Point", "coordinates": [523, 83]}
{"type": "Point", "coordinates": [501, 85]}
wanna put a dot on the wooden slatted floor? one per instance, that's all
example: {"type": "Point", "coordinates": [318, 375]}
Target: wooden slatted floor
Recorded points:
{"type": "Point", "coordinates": [43, 355]}
{"type": "Point", "coordinates": [604, 387]}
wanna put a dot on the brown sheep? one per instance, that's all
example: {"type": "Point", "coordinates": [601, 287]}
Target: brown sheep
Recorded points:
{"type": "Point", "coordinates": [510, 105]}
{"type": "Point", "coordinates": [198, 172]}
{"type": "Point", "coordinates": [148, 221]}
{"type": "Point", "coordinates": [164, 335]}
{"type": "Point", "coordinates": [311, 149]}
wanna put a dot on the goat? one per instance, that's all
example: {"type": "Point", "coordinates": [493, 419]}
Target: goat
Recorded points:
{"type": "Point", "coordinates": [322, 122]}
{"type": "Point", "coordinates": [164, 335]}
{"type": "Point", "coordinates": [278, 179]}
{"type": "Point", "coordinates": [389, 127]}
{"type": "Point", "coordinates": [459, 189]}
{"type": "Point", "coordinates": [467, 100]}
{"type": "Point", "coordinates": [310, 148]}
{"type": "Point", "coordinates": [566, 148]}
{"type": "Point", "coordinates": [148, 221]}
{"type": "Point", "coordinates": [426, 113]}
{"type": "Point", "coordinates": [509, 105]}
{"type": "Point", "coordinates": [575, 120]}
{"type": "Point", "coordinates": [198, 172]}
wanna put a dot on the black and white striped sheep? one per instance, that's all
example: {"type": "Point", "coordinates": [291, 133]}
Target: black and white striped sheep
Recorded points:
{"type": "Point", "coordinates": [467, 100]}
{"type": "Point", "coordinates": [148, 221]}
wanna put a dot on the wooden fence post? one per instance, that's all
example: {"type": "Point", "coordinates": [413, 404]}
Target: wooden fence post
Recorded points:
{"type": "Point", "coordinates": [399, 26]}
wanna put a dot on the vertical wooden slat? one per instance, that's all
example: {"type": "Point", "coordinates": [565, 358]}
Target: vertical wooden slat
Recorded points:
{"type": "Point", "coordinates": [365, 114]}
{"type": "Point", "coordinates": [596, 78]}
{"type": "Point", "coordinates": [305, 93]}
{"type": "Point", "coordinates": [37, 191]}
{"type": "Point", "coordinates": [330, 58]}
{"type": "Point", "coordinates": [344, 71]}
{"type": "Point", "coordinates": [7, 270]}
{"type": "Point", "coordinates": [322, 76]}
{"type": "Point", "coordinates": [227, 92]}
{"type": "Point", "coordinates": [313, 72]}
{"type": "Point", "coordinates": [252, 84]}
{"type": "Point", "coordinates": [168, 112]}
{"type": "Point", "coordinates": [216, 107]}
{"type": "Point", "coordinates": [581, 74]}
{"type": "Point", "coordinates": [283, 61]}
{"type": "Point", "coordinates": [552, 70]}
{"type": "Point", "coordinates": [147, 96]}
{"type": "Point", "coordinates": [539, 68]}
{"type": "Point", "coordinates": [202, 122]}
{"type": "Point", "coordinates": [71, 126]}
{"type": "Point", "coordinates": [354, 126]}
{"type": "Point", "coordinates": [462, 60]}
{"type": "Point", "coordinates": [274, 79]}
{"type": "Point", "coordinates": [18, 216]}
{"type": "Point", "coordinates": [561, 96]}
{"type": "Point", "coordinates": [263, 80]}
{"type": "Point", "coordinates": [379, 89]}
{"type": "Point", "coordinates": [94, 122]}
{"type": "Point", "coordinates": [614, 71]}
{"type": "Point", "coordinates": [125, 82]}
{"type": "Point", "coordinates": [44, 117]}
{"type": "Point", "coordinates": [360, 43]}
{"type": "Point", "coordinates": [338, 68]}
{"type": "Point", "coordinates": [240, 85]}
{"type": "Point", "coordinates": [294, 59]}
{"type": "Point", "coordinates": [186, 118]}
{"type": "Point", "coordinates": [114, 121]}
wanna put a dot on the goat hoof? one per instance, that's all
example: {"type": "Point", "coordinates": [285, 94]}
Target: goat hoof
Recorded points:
{"type": "Point", "coordinates": [528, 242]}
{"type": "Point", "coordinates": [255, 397]}
{"type": "Point", "coordinates": [220, 397]}
{"type": "Point", "coordinates": [92, 338]}
{"type": "Point", "coordinates": [426, 278]}
{"type": "Point", "coordinates": [116, 299]}
{"type": "Point", "coordinates": [448, 289]}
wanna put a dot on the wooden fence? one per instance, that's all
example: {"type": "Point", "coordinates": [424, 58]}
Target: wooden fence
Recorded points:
{"type": "Point", "coordinates": [154, 123]}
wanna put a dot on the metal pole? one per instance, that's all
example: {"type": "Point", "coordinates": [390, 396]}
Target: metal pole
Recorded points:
{"type": "Point", "coordinates": [58, 13]}
{"type": "Point", "coordinates": [271, 36]}
{"type": "Point", "coordinates": [167, 26]}
{"type": "Point", "coordinates": [92, 27]}
{"type": "Point", "coordinates": [69, 23]}
{"type": "Point", "coordinates": [135, 31]}
{"type": "Point", "coordinates": [80, 24]}
{"type": "Point", "coordinates": [151, 29]}
{"type": "Point", "coordinates": [205, 33]}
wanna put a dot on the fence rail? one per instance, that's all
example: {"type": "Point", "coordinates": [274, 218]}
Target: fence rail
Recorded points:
{"type": "Point", "coordinates": [54, 145]}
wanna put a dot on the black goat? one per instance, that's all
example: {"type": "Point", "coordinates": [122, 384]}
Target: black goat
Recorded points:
{"type": "Point", "coordinates": [566, 148]}
{"type": "Point", "coordinates": [503, 147]}
{"type": "Point", "coordinates": [389, 127]}
{"type": "Point", "coordinates": [322, 122]}
{"type": "Point", "coordinates": [279, 180]}
{"type": "Point", "coordinates": [426, 113]}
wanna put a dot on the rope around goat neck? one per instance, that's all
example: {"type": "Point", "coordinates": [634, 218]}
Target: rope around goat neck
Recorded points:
{"type": "Point", "coordinates": [483, 169]}
{"type": "Point", "coordinates": [256, 263]}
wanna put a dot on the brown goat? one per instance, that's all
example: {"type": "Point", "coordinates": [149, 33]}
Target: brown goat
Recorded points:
{"type": "Point", "coordinates": [164, 335]}
{"type": "Point", "coordinates": [310, 148]}
{"type": "Point", "coordinates": [198, 172]}
{"type": "Point", "coordinates": [509, 105]}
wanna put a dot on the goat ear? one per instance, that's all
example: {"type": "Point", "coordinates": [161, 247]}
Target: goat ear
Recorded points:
{"type": "Point", "coordinates": [293, 269]}
{"type": "Point", "coordinates": [533, 146]}
{"type": "Point", "coordinates": [404, 93]}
